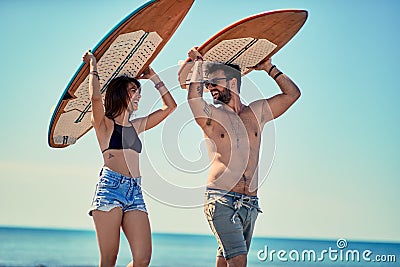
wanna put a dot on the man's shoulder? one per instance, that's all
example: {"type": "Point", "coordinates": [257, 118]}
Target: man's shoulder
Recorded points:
{"type": "Point", "coordinates": [252, 107]}
{"type": "Point", "coordinates": [257, 102]}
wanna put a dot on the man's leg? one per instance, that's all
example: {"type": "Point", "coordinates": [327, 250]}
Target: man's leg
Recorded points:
{"type": "Point", "coordinates": [229, 235]}
{"type": "Point", "coordinates": [238, 261]}
{"type": "Point", "coordinates": [221, 262]}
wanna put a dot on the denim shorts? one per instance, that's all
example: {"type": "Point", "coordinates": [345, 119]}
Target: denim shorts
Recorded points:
{"type": "Point", "coordinates": [232, 218]}
{"type": "Point", "coordinates": [116, 190]}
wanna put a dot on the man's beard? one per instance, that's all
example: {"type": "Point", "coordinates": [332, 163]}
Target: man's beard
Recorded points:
{"type": "Point", "coordinates": [225, 96]}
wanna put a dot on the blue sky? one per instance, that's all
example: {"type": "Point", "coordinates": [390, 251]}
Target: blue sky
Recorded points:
{"type": "Point", "coordinates": [335, 170]}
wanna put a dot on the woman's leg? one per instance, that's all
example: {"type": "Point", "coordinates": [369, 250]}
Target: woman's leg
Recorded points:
{"type": "Point", "coordinates": [108, 235]}
{"type": "Point", "coordinates": [136, 227]}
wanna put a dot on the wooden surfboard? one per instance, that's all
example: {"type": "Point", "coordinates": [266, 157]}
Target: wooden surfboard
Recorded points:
{"type": "Point", "coordinates": [128, 49]}
{"type": "Point", "coordinates": [248, 41]}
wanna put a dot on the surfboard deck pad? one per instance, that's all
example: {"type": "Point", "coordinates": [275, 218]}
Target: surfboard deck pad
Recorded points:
{"type": "Point", "coordinates": [248, 41]}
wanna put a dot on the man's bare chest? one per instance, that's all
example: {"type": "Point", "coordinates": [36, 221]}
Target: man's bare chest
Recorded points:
{"type": "Point", "coordinates": [230, 127]}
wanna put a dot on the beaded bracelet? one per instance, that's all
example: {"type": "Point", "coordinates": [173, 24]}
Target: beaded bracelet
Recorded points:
{"type": "Point", "coordinates": [159, 85]}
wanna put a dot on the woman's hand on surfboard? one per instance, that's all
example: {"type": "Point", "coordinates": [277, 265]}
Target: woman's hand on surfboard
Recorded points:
{"type": "Point", "coordinates": [194, 53]}
{"type": "Point", "coordinates": [264, 65]}
{"type": "Point", "coordinates": [148, 73]}
{"type": "Point", "coordinates": [88, 57]}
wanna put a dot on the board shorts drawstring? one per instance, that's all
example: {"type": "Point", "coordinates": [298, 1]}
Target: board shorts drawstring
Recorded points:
{"type": "Point", "coordinates": [245, 202]}
{"type": "Point", "coordinates": [240, 201]}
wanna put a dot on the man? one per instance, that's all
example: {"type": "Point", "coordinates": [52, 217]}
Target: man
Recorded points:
{"type": "Point", "coordinates": [233, 134]}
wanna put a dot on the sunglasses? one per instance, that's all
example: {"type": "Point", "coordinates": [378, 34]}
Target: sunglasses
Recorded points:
{"type": "Point", "coordinates": [214, 82]}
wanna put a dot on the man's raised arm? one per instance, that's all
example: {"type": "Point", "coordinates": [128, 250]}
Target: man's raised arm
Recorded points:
{"type": "Point", "coordinates": [275, 106]}
{"type": "Point", "coordinates": [201, 110]}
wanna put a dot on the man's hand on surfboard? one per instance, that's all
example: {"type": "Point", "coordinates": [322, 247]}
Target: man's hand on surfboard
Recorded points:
{"type": "Point", "coordinates": [194, 54]}
{"type": "Point", "coordinates": [148, 73]}
{"type": "Point", "coordinates": [264, 65]}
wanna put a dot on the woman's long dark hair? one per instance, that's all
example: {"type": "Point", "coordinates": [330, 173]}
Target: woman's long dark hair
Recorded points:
{"type": "Point", "coordinates": [117, 97]}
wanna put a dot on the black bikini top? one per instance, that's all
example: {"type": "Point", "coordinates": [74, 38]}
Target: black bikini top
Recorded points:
{"type": "Point", "coordinates": [124, 137]}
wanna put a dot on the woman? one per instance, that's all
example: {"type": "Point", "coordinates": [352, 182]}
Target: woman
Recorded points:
{"type": "Point", "coordinates": [118, 201]}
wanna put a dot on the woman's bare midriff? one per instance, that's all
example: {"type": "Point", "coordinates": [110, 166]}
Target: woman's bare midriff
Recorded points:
{"type": "Point", "coordinates": [123, 161]}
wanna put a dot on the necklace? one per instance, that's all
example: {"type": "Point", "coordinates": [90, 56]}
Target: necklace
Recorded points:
{"type": "Point", "coordinates": [235, 130]}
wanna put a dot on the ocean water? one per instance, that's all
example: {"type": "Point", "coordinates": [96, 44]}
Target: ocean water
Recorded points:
{"type": "Point", "coordinates": [55, 247]}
